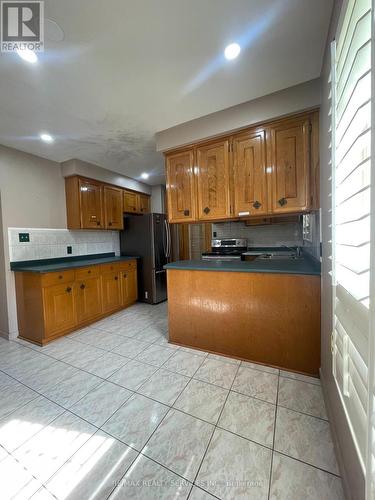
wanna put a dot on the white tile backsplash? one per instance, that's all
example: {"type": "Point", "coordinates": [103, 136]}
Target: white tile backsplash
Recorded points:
{"type": "Point", "coordinates": [52, 243]}
{"type": "Point", "coordinates": [272, 235]}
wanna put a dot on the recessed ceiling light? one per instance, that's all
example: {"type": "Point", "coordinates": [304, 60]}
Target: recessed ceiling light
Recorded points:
{"type": "Point", "coordinates": [232, 51]}
{"type": "Point", "coordinates": [145, 175]}
{"type": "Point", "coordinates": [46, 137]}
{"type": "Point", "coordinates": [28, 55]}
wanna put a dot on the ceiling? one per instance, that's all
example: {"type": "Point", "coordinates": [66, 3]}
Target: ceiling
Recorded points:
{"type": "Point", "coordinates": [126, 69]}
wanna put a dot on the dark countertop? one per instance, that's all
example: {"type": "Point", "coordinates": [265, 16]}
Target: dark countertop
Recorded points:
{"type": "Point", "coordinates": [51, 265]}
{"type": "Point", "coordinates": [303, 265]}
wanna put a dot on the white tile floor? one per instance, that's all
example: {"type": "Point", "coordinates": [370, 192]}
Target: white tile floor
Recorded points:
{"type": "Point", "coordinates": [114, 411]}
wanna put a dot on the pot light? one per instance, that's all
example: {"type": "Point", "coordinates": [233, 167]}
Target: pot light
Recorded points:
{"type": "Point", "coordinates": [231, 51]}
{"type": "Point", "coordinates": [145, 175]}
{"type": "Point", "coordinates": [28, 55]}
{"type": "Point", "coordinates": [46, 137]}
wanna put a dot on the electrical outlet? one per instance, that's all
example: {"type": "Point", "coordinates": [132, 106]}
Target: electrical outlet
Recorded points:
{"type": "Point", "coordinates": [68, 249]}
{"type": "Point", "coordinates": [214, 234]}
{"type": "Point", "coordinates": [24, 237]}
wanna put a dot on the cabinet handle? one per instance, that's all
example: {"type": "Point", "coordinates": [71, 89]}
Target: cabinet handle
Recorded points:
{"type": "Point", "coordinates": [125, 275]}
{"type": "Point", "coordinates": [60, 277]}
{"type": "Point", "coordinates": [283, 201]}
{"type": "Point", "coordinates": [186, 213]}
{"type": "Point", "coordinates": [98, 223]}
{"type": "Point", "coordinates": [116, 278]}
{"type": "Point", "coordinates": [109, 223]}
{"type": "Point", "coordinates": [82, 286]}
{"type": "Point", "coordinates": [89, 271]}
{"type": "Point", "coordinates": [206, 210]}
{"type": "Point", "coordinates": [257, 205]}
{"type": "Point", "coordinates": [68, 290]}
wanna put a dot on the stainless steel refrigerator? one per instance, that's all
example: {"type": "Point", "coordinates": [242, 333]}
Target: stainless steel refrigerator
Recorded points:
{"type": "Point", "coordinates": [148, 236]}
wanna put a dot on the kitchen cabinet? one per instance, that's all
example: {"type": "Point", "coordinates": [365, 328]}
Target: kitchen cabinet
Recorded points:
{"type": "Point", "coordinates": [88, 298]}
{"type": "Point", "coordinates": [249, 174]}
{"type": "Point", "coordinates": [181, 187]}
{"type": "Point", "coordinates": [59, 308]}
{"type": "Point", "coordinates": [129, 286]}
{"type": "Point", "coordinates": [113, 210]}
{"type": "Point", "coordinates": [290, 162]}
{"type": "Point", "coordinates": [53, 304]}
{"type": "Point", "coordinates": [111, 291]}
{"type": "Point", "coordinates": [266, 170]}
{"type": "Point", "coordinates": [213, 191]}
{"type": "Point", "coordinates": [136, 203]}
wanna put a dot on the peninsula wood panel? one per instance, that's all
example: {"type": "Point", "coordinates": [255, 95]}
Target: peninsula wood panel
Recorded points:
{"type": "Point", "coordinates": [213, 189]}
{"type": "Point", "coordinates": [290, 163]}
{"type": "Point", "coordinates": [113, 211]}
{"type": "Point", "coordinates": [249, 174]}
{"type": "Point", "coordinates": [181, 187]}
{"type": "Point", "coordinates": [267, 318]}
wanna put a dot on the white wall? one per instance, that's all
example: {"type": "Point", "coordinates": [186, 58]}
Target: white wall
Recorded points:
{"type": "Point", "coordinates": [285, 102]}
{"type": "Point", "coordinates": [158, 199]}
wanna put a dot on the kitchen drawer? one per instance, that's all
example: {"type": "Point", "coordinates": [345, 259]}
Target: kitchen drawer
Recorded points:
{"type": "Point", "coordinates": [112, 267]}
{"type": "Point", "coordinates": [57, 278]}
{"type": "Point", "coordinates": [127, 265]}
{"type": "Point", "coordinates": [87, 272]}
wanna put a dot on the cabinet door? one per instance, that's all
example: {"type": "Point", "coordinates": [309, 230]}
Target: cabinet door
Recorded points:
{"type": "Point", "coordinates": [129, 287]}
{"type": "Point", "coordinates": [88, 298]}
{"type": "Point", "coordinates": [91, 204]}
{"type": "Point", "coordinates": [181, 187]}
{"type": "Point", "coordinates": [59, 308]}
{"type": "Point", "coordinates": [249, 174]}
{"type": "Point", "coordinates": [144, 203]}
{"type": "Point", "coordinates": [290, 143]}
{"type": "Point", "coordinates": [213, 181]}
{"type": "Point", "coordinates": [113, 213]}
{"type": "Point", "coordinates": [111, 291]}
{"type": "Point", "coordinates": [131, 202]}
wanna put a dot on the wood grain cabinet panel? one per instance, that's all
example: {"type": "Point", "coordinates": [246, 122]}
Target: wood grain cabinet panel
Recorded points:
{"type": "Point", "coordinates": [130, 202]}
{"type": "Point", "coordinates": [290, 160]}
{"type": "Point", "coordinates": [129, 287]}
{"type": "Point", "coordinates": [213, 181]}
{"type": "Point", "coordinates": [59, 308]}
{"type": "Point", "coordinates": [88, 299]}
{"type": "Point", "coordinates": [91, 203]}
{"type": "Point", "coordinates": [181, 187]}
{"type": "Point", "coordinates": [111, 291]}
{"type": "Point", "coordinates": [144, 203]}
{"type": "Point", "coordinates": [249, 174]}
{"type": "Point", "coordinates": [113, 211]}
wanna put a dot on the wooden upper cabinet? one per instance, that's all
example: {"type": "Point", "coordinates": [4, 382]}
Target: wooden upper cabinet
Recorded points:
{"type": "Point", "coordinates": [290, 163]}
{"type": "Point", "coordinates": [180, 187]}
{"type": "Point", "coordinates": [130, 202]}
{"type": "Point", "coordinates": [213, 191]}
{"type": "Point", "coordinates": [249, 174]}
{"type": "Point", "coordinates": [113, 211]}
{"type": "Point", "coordinates": [91, 202]}
{"type": "Point", "coordinates": [144, 203]}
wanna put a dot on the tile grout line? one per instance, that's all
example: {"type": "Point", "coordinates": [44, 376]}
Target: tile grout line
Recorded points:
{"type": "Point", "coordinates": [273, 438]}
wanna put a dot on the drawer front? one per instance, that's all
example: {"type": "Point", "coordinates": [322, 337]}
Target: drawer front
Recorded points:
{"type": "Point", "coordinates": [87, 272]}
{"type": "Point", "coordinates": [127, 265]}
{"type": "Point", "coordinates": [50, 279]}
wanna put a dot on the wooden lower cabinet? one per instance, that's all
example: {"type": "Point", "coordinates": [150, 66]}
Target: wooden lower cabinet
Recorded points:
{"type": "Point", "coordinates": [111, 291]}
{"type": "Point", "coordinates": [129, 287]}
{"type": "Point", "coordinates": [50, 305]}
{"type": "Point", "coordinates": [88, 299]}
{"type": "Point", "coordinates": [59, 308]}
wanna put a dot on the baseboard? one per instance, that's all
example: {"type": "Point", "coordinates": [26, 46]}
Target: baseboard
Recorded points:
{"type": "Point", "coordinates": [348, 491]}
{"type": "Point", "coordinates": [4, 335]}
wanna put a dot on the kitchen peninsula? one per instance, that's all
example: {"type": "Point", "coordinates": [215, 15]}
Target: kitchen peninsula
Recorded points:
{"type": "Point", "coordinates": [265, 311]}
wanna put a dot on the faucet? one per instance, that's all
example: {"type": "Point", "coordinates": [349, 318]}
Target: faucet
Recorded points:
{"type": "Point", "coordinates": [296, 250]}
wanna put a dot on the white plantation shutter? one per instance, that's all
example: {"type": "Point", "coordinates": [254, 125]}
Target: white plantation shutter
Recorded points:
{"type": "Point", "coordinates": [351, 220]}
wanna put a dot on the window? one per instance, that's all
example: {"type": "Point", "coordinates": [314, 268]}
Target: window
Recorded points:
{"type": "Point", "coordinates": [352, 233]}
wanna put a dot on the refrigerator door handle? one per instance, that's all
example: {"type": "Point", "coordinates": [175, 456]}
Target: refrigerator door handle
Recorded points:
{"type": "Point", "coordinates": [166, 248]}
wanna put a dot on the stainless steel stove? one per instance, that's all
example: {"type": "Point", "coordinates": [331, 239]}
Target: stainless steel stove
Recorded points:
{"type": "Point", "coordinates": [229, 249]}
